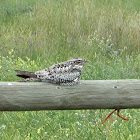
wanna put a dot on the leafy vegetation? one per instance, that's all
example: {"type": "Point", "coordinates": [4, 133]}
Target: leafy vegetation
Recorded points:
{"type": "Point", "coordinates": [72, 125]}
{"type": "Point", "coordinates": [51, 28]}
{"type": "Point", "coordinates": [35, 34]}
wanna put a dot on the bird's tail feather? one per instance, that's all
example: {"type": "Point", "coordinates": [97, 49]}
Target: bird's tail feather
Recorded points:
{"type": "Point", "coordinates": [26, 74]}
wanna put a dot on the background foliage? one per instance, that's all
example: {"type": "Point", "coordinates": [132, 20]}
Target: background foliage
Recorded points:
{"type": "Point", "coordinates": [35, 34]}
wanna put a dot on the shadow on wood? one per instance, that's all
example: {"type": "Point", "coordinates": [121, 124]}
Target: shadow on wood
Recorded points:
{"type": "Point", "coordinates": [89, 94]}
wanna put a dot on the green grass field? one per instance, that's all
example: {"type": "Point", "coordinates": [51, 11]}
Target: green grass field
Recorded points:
{"type": "Point", "coordinates": [35, 34]}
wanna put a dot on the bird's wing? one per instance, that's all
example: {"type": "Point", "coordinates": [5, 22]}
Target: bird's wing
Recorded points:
{"type": "Point", "coordinates": [61, 72]}
{"type": "Point", "coordinates": [55, 69]}
{"type": "Point", "coordinates": [60, 68]}
{"type": "Point", "coordinates": [65, 77]}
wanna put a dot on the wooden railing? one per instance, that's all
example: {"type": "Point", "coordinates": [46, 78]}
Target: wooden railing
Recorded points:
{"type": "Point", "coordinates": [89, 94]}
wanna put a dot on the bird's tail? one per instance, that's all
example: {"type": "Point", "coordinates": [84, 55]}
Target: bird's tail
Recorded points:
{"type": "Point", "coordinates": [26, 74]}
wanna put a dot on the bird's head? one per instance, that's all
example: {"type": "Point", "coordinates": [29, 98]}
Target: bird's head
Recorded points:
{"type": "Point", "coordinates": [78, 61]}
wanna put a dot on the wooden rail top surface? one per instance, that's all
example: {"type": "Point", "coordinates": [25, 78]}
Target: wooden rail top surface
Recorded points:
{"type": "Point", "coordinates": [89, 94]}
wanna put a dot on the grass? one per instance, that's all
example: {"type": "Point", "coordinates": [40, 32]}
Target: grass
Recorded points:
{"type": "Point", "coordinates": [47, 29]}
{"type": "Point", "coordinates": [73, 125]}
{"type": "Point", "coordinates": [37, 34]}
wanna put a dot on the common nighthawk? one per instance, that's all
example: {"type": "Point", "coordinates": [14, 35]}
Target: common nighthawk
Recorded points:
{"type": "Point", "coordinates": [66, 73]}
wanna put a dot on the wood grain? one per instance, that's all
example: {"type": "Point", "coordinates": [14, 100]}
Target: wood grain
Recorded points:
{"type": "Point", "coordinates": [89, 94]}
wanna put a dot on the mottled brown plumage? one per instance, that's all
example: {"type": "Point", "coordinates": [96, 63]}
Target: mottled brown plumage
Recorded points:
{"type": "Point", "coordinates": [65, 73]}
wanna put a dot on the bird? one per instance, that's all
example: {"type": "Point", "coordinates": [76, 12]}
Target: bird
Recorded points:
{"type": "Point", "coordinates": [118, 111]}
{"type": "Point", "coordinates": [67, 73]}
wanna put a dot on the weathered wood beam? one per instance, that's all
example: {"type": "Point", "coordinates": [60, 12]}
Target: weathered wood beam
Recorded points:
{"type": "Point", "coordinates": [90, 94]}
